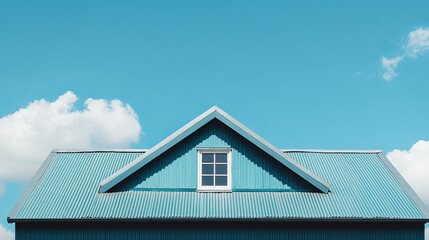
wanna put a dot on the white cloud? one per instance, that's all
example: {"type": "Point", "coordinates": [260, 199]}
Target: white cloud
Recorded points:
{"type": "Point", "coordinates": [418, 42]}
{"type": "Point", "coordinates": [413, 165]}
{"type": "Point", "coordinates": [417, 45]}
{"type": "Point", "coordinates": [389, 65]}
{"type": "Point", "coordinates": [6, 234]}
{"type": "Point", "coordinates": [28, 135]}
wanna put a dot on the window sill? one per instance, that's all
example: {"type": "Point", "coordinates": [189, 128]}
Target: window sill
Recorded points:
{"type": "Point", "coordinates": [214, 190]}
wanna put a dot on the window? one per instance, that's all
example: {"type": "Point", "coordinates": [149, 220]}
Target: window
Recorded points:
{"type": "Point", "coordinates": [214, 170]}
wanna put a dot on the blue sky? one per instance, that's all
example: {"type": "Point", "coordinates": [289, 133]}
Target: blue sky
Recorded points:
{"type": "Point", "coordinates": [300, 74]}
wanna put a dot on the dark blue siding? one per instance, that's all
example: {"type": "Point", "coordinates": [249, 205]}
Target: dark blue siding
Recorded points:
{"type": "Point", "coordinates": [221, 230]}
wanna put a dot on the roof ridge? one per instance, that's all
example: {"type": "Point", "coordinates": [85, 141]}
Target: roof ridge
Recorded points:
{"type": "Point", "coordinates": [97, 150]}
{"type": "Point", "coordinates": [331, 151]}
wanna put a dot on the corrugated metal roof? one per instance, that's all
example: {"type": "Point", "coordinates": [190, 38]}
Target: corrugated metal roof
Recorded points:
{"type": "Point", "coordinates": [363, 186]}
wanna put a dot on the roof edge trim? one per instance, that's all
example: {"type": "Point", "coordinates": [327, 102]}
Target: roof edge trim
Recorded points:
{"type": "Point", "coordinates": [97, 150]}
{"type": "Point", "coordinates": [329, 219]}
{"type": "Point", "coordinates": [331, 151]}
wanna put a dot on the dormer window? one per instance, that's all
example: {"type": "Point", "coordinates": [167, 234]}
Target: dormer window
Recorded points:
{"type": "Point", "coordinates": [214, 170]}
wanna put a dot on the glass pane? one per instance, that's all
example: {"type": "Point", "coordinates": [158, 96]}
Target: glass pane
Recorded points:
{"type": "Point", "coordinates": [221, 180]}
{"type": "Point", "coordinates": [207, 157]}
{"type": "Point", "coordinates": [221, 157]}
{"type": "Point", "coordinates": [207, 181]}
{"type": "Point", "coordinates": [208, 169]}
{"type": "Point", "coordinates": [221, 169]}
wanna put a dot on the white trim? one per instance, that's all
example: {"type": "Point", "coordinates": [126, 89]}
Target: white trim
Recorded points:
{"type": "Point", "coordinates": [228, 187]}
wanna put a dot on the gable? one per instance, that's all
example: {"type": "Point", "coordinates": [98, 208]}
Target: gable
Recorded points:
{"type": "Point", "coordinates": [252, 168]}
{"type": "Point", "coordinates": [194, 125]}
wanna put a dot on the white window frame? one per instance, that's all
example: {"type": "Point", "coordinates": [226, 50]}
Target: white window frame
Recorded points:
{"type": "Point", "coordinates": [228, 187]}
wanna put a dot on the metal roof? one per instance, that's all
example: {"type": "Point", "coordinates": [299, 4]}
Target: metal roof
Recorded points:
{"type": "Point", "coordinates": [198, 122]}
{"type": "Point", "coordinates": [364, 186]}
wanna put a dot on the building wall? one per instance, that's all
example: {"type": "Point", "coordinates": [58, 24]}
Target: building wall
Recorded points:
{"type": "Point", "coordinates": [252, 169]}
{"type": "Point", "coordinates": [220, 230]}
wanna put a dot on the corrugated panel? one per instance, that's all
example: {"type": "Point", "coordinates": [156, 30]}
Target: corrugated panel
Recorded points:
{"type": "Point", "coordinates": [361, 178]}
{"type": "Point", "coordinates": [362, 187]}
{"type": "Point", "coordinates": [251, 167]}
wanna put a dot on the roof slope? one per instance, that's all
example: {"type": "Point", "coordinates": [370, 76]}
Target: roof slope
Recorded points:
{"type": "Point", "coordinates": [364, 185]}
{"type": "Point", "coordinates": [213, 113]}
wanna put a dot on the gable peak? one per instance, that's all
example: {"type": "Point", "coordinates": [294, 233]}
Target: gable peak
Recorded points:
{"type": "Point", "coordinates": [197, 123]}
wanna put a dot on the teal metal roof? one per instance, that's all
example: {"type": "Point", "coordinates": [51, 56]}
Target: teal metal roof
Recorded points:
{"type": "Point", "coordinates": [364, 185]}
{"type": "Point", "coordinates": [194, 125]}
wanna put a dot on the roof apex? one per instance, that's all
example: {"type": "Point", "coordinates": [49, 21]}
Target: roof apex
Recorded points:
{"type": "Point", "coordinates": [194, 125]}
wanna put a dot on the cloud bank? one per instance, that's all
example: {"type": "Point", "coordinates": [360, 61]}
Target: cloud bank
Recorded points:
{"type": "Point", "coordinates": [28, 135]}
{"type": "Point", "coordinates": [6, 234]}
{"type": "Point", "coordinates": [417, 44]}
{"type": "Point", "coordinates": [413, 164]}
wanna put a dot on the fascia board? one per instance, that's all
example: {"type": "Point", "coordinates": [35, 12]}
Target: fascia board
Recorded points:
{"type": "Point", "coordinates": [413, 195]}
{"type": "Point", "coordinates": [157, 150]}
